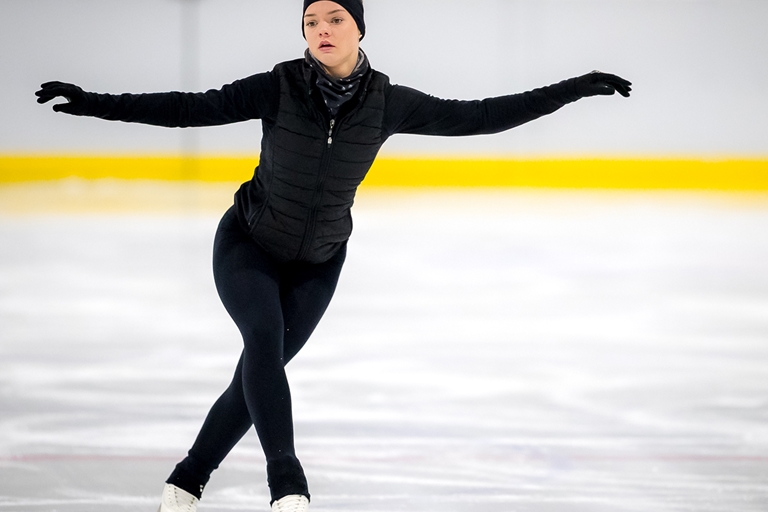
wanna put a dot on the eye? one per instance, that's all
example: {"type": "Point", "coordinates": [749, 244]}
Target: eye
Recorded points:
{"type": "Point", "coordinates": [311, 24]}
{"type": "Point", "coordinates": [337, 20]}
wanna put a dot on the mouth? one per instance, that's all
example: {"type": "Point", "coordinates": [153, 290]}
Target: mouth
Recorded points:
{"type": "Point", "coordinates": [325, 45]}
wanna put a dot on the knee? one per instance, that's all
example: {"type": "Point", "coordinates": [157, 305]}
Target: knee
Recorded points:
{"type": "Point", "coordinates": [263, 347]}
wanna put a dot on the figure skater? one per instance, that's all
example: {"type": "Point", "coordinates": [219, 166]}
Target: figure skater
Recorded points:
{"type": "Point", "coordinates": [279, 249]}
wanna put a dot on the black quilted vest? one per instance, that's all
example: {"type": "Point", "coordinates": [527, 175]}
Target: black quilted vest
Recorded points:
{"type": "Point", "coordinates": [297, 206]}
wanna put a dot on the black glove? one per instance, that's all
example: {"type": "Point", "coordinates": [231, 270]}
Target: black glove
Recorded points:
{"type": "Point", "coordinates": [77, 99]}
{"type": "Point", "coordinates": [597, 83]}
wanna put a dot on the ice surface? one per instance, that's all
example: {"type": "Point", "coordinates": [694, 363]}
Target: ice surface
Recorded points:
{"type": "Point", "coordinates": [506, 350]}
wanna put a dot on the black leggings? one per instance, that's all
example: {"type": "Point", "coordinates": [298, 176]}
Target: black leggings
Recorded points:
{"type": "Point", "coordinates": [276, 306]}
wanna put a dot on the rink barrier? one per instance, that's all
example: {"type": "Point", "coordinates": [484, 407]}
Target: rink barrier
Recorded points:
{"type": "Point", "coordinates": [736, 174]}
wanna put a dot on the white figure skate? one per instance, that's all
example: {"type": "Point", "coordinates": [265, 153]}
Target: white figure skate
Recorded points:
{"type": "Point", "coordinates": [292, 503]}
{"type": "Point", "coordinates": [177, 500]}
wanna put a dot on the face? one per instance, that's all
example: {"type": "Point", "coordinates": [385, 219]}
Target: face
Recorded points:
{"type": "Point", "coordinates": [332, 36]}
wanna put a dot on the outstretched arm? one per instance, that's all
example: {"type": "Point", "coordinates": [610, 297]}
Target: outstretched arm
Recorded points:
{"type": "Point", "coordinates": [250, 98]}
{"type": "Point", "coordinates": [411, 111]}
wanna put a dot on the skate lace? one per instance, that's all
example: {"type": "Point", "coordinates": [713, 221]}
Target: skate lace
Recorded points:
{"type": "Point", "coordinates": [180, 501]}
{"type": "Point", "coordinates": [292, 503]}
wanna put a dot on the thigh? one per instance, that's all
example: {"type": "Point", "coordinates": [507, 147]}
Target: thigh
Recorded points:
{"type": "Point", "coordinates": [305, 292]}
{"type": "Point", "coordinates": [247, 280]}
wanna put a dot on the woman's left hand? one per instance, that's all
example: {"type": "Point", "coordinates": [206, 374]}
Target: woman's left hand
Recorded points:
{"type": "Point", "coordinates": [598, 83]}
{"type": "Point", "coordinates": [77, 100]}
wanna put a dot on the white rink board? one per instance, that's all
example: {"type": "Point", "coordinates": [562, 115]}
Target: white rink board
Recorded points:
{"type": "Point", "coordinates": [507, 350]}
{"type": "Point", "coordinates": [698, 68]}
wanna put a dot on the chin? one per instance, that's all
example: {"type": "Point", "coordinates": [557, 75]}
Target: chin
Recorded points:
{"type": "Point", "coordinates": [326, 60]}
{"type": "Point", "coordinates": [329, 63]}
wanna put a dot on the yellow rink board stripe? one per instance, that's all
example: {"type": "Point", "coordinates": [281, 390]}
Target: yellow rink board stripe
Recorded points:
{"type": "Point", "coordinates": [575, 173]}
{"type": "Point", "coordinates": [611, 173]}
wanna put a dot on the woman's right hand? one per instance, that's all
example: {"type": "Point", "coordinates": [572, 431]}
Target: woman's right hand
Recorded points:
{"type": "Point", "coordinates": [77, 100]}
{"type": "Point", "coordinates": [603, 84]}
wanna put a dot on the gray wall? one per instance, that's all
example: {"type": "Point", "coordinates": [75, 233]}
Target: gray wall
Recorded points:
{"type": "Point", "coordinates": [699, 68]}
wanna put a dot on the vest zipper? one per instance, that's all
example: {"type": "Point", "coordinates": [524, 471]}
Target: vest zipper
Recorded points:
{"type": "Point", "coordinates": [309, 231]}
{"type": "Point", "coordinates": [330, 132]}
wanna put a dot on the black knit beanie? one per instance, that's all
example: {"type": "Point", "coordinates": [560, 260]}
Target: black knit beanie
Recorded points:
{"type": "Point", "coordinates": [354, 8]}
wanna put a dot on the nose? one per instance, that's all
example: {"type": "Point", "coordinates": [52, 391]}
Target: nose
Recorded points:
{"type": "Point", "coordinates": [325, 28]}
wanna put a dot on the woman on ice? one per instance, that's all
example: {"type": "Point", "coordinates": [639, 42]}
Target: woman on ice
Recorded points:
{"type": "Point", "coordinates": [279, 249]}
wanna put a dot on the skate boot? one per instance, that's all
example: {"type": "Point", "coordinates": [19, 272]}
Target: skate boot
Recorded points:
{"type": "Point", "coordinates": [292, 503]}
{"type": "Point", "coordinates": [177, 500]}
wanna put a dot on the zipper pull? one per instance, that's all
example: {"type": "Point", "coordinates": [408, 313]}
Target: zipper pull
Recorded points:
{"type": "Point", "coordinates": [330, 132]}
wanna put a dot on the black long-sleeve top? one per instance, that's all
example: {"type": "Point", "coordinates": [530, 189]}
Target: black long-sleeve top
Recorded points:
{"type": "Point", "coordinates": [407, 110]}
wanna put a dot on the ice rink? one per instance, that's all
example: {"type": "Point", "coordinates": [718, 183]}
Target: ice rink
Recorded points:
{"type": "Point", "coordinates": [531, 351]}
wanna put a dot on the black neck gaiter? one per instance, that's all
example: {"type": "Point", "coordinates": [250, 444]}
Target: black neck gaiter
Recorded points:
{"type": "Point", "coordinates": [337, 91]}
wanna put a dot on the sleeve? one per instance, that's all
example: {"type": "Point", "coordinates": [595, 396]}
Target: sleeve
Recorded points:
{"type": "Point", "coordinates": [250, 98]}
{"type": "Point", "coordinates": [414, 112]}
